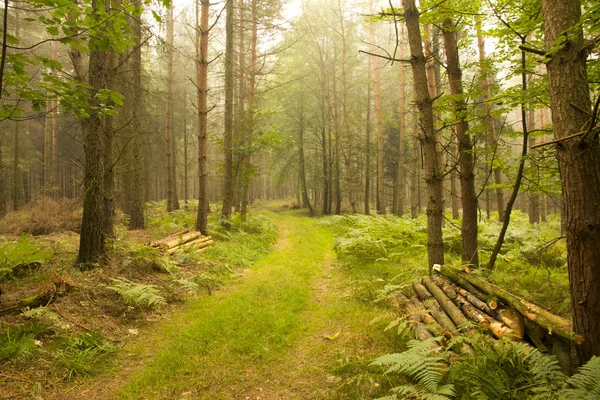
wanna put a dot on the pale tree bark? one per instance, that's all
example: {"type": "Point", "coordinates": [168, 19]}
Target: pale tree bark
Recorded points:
{"type": "Point", "coordinates": [305, 199]}
{"type": "Point", "coordinates": [349, 140]}
{"type": "Point", "coordinates": [427, 137]}
{"type": "Point", "coordinates": [368, 148]}
{"type": "Point", "coordinates": [401, 189]}
{"type": "Point", "coordinates": [533, 195]}
{"type": "Point", "coordinates": [172, 202]}
{"type": "Point", "coordinates": [228, 184]}
{"type": "Point", "coordinates": [136, 192]}
{"type": "Point", "coordinates": [251, 98]}
{"type": "Point", "coordinates": [201, 101]}
{"type": "Point", "coordinates": [489, 118]}
{"type": "Point", "coordinates": [579, 162]}
{"type": "Point", "coordinates": [381, 209]}
{"type": "Point", "coordinates": [466, 160]}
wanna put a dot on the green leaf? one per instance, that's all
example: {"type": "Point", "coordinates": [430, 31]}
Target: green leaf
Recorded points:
{"type": "Point", "coordinates": [11, 40]}
{"type": "Point", "coordinates": [156, 16]}
{"type": "Point", "coordinates": [53, 30]}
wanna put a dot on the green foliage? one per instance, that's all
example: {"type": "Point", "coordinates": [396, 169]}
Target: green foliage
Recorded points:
{"type": "Point", "coordinates": [424, 365]}
{"type": "Point", "coordinates": [140, 257]}
{"type": "Point", "coordinates": [18, 343]}
{"type": "Point", "coordinates": [501, 369]}
{"type": "Point", "coordinates": [137, 294]}
{"type": "Point", "coordinates": [162, 224]}
{"type": "Point", "coordinates": [44, 314]}
{"type": "Point", "coordinates": [16, 257]}
{"type": "Point", "coordinates": [489, 369]}
{"type": "Point", "coordinates": [84, 355]}
{"type": "Point", "coordinates": [585, 384]}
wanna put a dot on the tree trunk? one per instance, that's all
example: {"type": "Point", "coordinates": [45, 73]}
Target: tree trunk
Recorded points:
{"type": "Point", "coordinates": [534, 182]}
{"type": "Point", "coordinates": [368, 149]}
{"type": "Point", "coordinates": [326, 170]}
{"type": "Point", "coordinates": [515, 192]}
{"type": "Point", "coordinates": [305, 199]}
{"type": "Point", "coordinates": [579, 162]}
{"type": "Point", "coordinates": [401, 190]}
{"type": "Point", "coordinates": [172, 203]}
{"type": "Point", "coordinates": [91, 242]}
{"type": "Point", "coordinates": [228, 183]}
{"type": "Point", "coordinates": [201, 101]}
{"type": "Point", "coordinates": [136, 191]}
{"type": "Point", "coordinates": [433, 173]}
{"type": "Point", "coordinates": [381, 209]}
{"type": "Point", "coordinates": [350, 174]}
{"type": "Point", "coordinates": [489, 118]}
{"type": "Point", "coordinates": [109, 177]}
{"type": "Point", "coordinates": [251, 94]}
{"type": "Point", "coordinates": [466, 160]}
{"type": "Point", "coordinates": [15, 172]}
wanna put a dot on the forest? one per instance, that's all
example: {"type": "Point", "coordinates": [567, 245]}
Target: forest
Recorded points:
{"type": "Point", "coordinates": [300, 199]}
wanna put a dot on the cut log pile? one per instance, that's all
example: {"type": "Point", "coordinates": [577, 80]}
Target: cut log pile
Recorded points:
{"type": "Point", "coordinates": [455, 301]}
{"type": "Point", "coordinates": [183, 241]}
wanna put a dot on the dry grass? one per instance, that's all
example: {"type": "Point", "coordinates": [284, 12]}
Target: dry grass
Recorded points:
{"type": "Point", "coordinates": [43, 216]}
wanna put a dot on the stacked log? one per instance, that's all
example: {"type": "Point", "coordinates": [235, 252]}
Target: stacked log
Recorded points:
{"type": "Point", "coordinates": [183, 241]}
{"type": "Point", "coordinates": [553, 324]}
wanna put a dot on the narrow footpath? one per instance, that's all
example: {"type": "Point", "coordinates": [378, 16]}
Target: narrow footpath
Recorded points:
{"type": "Point", "coordinates": [278, 333]}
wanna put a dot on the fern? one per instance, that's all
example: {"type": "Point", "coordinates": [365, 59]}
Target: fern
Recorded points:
{"type": "Point", "coordinates": [137, 294]}
{"type": "Point", "coordinates": [585, 384]}
{"type": "Point", "coordinates": [501, 369]}
{"type": "Point", "coordinates": [44, 313]}
{"type": "Point", "coordinates": [425, 365]}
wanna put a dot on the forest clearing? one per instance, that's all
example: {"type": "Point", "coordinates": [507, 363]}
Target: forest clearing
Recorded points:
{"type": "Point", "coordinates": [311, 199]}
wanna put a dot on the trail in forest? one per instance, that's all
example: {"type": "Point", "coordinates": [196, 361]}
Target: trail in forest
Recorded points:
{"type": "Point", "coordinates": [276, 334]}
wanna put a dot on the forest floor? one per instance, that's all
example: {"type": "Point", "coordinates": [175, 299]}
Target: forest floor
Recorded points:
{"type": "Point", "coordinates": [284, 330]}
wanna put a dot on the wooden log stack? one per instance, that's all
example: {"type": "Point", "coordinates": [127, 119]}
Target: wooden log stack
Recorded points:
{"type": "Point", "coordinates": [183, 241]}
{"type": "Point", "coordinates": [452, 301]}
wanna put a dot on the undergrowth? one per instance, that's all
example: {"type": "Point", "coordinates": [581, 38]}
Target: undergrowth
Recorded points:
{"type": "Point", "coordinates": [16, 258]}
{"type": "Point", "coordinates": [492, 370]}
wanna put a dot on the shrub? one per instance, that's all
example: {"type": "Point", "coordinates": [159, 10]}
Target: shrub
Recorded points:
{"type": "Point", "coordinates": [43, 216]}
{"type": "Point", "coordinates": [137, 294]}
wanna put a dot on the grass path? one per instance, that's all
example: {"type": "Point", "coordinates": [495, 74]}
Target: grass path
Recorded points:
{"type": "Point", "coordinates": [279, 333]}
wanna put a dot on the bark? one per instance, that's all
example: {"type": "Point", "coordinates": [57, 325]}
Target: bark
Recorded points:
{"type": "Point", "coordinates": [533, 194]}
{"type": "Point", "coordinates": [489, 118]}
{"type": "Point", "coordinates": [199, 245]}
{"type": "Point", "coordinates": [349, 140]}
{"type": "Point", "coordinates": [156, 243]}
{"type": "Point", "coordinates": [466, 160]}
{"type": "Point", "coordinates": [109, 176]}
{"type": "Point", "coordinates": [554, 324]}
{"type": "Point", "coordinates": [368, 149]}
{"type": "Point", "coordinates": [251, 94]}
{"type": "Point", "coordinates": [172, 202]}
{"type": "Point", "coordinates": [15, 172]}
{"type": "Point", "coordinates": [305, 200]}
{"type": "Point", "coordinates": [136, 191]}
{"type": "Point", "coordinates": [228, 184]}
{"type": "Point", "coordinates": [381, 209]}
{"type": "Point", "coordinates": [401, 187]}
{"type": "Point", "coordinates": [579, 163]}
{"type": "Point", "coordinates": [444, 301]}
{"type": "Point", "coordinates": [178, 240]}
{"type": "Point", "coordinates": [433, 173]}
{"type": "Point", "coordinates": [201, 101]}
{"type": "Point", "coordinates": [433, 307]}
{"type": "Point", "coordinates": [91, 242]}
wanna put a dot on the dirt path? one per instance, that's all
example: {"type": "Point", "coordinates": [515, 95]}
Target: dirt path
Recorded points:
{"type": "Point", "coordinates": [279, 333]}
